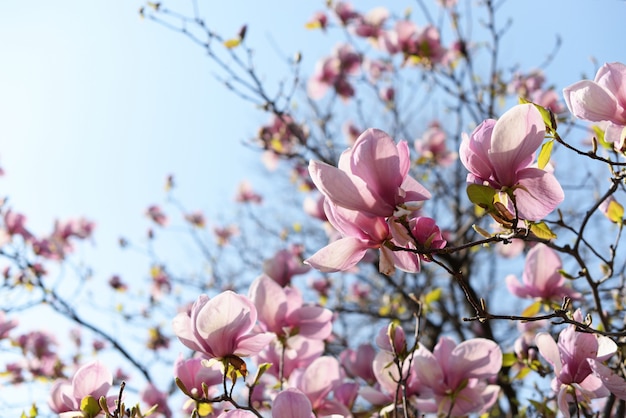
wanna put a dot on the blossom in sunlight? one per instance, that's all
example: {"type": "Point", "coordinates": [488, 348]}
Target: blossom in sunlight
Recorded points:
{"type": "Point", "coordinates": [333, 72]}
{"type": "Point", "coordinates": [454, 378]}
{"type": "Point", "coordinates": [360, 233]}
{"type": "Point", "coordinates": [603, 99]}
{"type": "Point", "coordinates": [370, 24]}
{"type": "Point", "coordinates": [578, 362]}
{"type": "Point", "coordinates": [281, 311]}
{"type": "Point", "coordinates": [499, 154]}
{"type": "Point", "coordinates": [6, 325]}
{"type": "Point", "coordinates": [246, 194]}
{"type": "Point", "coordinates": [541, 278]}
{"type": "Point", "coordinates": [291, 403]}
{"type": "Point", "coordinates": [92, 379]}
{"type": "Point", "coordinates": [196, 219]}
{"type": "Point", "coordinates": [153, 396]}
{"type": "Point", "coordinates": [192, 373]}
{"type": "Point", "coordinates": [415, 44]}
{"type": "Point", "coordinates": [156, 214]}
{"type": "Point", "coordinates": [432, 146]}
{"type": "Point", "coordinates": [285, 264]}
{"type": "Point", "coordinates": [317, 382]}
{"type": "Point", "coordinates": [221, 327]}
{"type": "Point", "coordinates": [295, 354]}
{"type": "Point", "coordinates": [372, 177]}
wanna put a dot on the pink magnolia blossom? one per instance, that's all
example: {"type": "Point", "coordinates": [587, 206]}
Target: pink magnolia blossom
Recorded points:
{"type": "Point", "coordinates": [156, 214]}
{"type": "Point", "coordinates": [296, 353]}
{"type": "Point", "coordinates": [318, 20]}
{"type": "Point", "coordinates": [417, 45]}
{"type": "Point", "coordinates": [192, 373]}
{"type": "Point", "coordinates": [541, 278]}
{"type": "Point", "coordinates": [196, 219]}
{"type": "Point", "coordinates": [92, 379]}
{"type": "Point", "coordinates": [237, 413]}
{"type": "Point", "coordinates": [221, 327]}
{"type": "Point", "coordinates": [358, 363]}
{"type": "Point", "coordinates": [360, 233]}
{"type": "Point", "coordinates": [317, 382]}
{"type": "Point", "coordinates": [372, 177]}
{"type": "Point", "coordinates": [578, 362]}
{"type": "Point", "coordinates": [370, 24]}
{"type": "Point", "coordinates": [345, 12]}
{"type": "Point", "coordinates": [6, 325]}
{"type": "Point", "coordinates": [285, 264]}
{"type": "Point", "coordinates": [292, 403]}
{"type": "Point", "coordinates": [333, 71]}
{"type": "Point", "coordinates": [603, 99]}
{"type": "Point", "coordinates": [499, 154]}
{"type": "Point", "coordinates": [432, 146]}
{"type": "Point", "coordinates": [152, 396]}
{"type": "Point", "coordinates": [282, 312]}
{"type": "Point", "coordinates": [14, 223]}
{"type": "Point", "coordinates": [454, 377]}
{"type": "Point", "coordinates": [246, 194]}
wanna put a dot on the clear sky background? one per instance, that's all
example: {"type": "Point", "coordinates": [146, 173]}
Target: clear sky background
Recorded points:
{"type": "Point", "coordinates": [98, 106]}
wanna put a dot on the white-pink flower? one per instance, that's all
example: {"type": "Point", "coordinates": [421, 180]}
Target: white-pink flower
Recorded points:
{"type": "Point", "coordinates": [603, 99]}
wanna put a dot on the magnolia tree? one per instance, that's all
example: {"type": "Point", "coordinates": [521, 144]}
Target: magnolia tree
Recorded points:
{"type": "Point", "coordinates": [398, 267]}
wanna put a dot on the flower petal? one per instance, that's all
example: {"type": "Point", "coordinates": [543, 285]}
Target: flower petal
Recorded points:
{"type": "Point", "coordinates": [515, 138]}
{"type": "Point", "coordinates": [340, 255]}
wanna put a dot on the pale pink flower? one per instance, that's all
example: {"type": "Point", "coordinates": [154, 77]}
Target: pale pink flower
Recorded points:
{"type": "Point", "coordinates": [317, 382]}
{"type": "Point", "coordinates": [153, 396]}
{"type": "Point", "coordinates": [360, 233]}
{"type": "Point", "coordinates": [333, 72]}
{"type": "Point", "coordinates": [603, 99]}
{"type": "Point", "coordinates": [281, 311]}
{"type": "Point", "coordinates": [578, 360]}
{"type": "Point", "coordinates": [370, 24]}
{"type": "Point", "coordinates": [156, 214]}
{"type": "Point", "coordinates": [285, 264]}
{"type": "Point", "coordinates": [221, 326]}
{"type": "Point", "coordinates": [358, 363]}
{"type": "Point", "coordinates": [541, 278]}
{"type": "Point", "coordinates": [6, 325]}
{"type": "Point", "coordinates": [416, 45]}
{"type": "Point", "coordinates": [291, 403]}
{"type": "Point", "coordinates": [237, 413]}
{"type": "Point", "coordinates": [345, 12]}
{"type": "Point", "coordinates": [192, 373]}
{"type": "Point", "coordinates": [372, 177]}
{"type": "Point", "coordinates": [454, 378]}
{"type": "Point", "coordinates": [297, 353]}
{"type": "Point", "coordinates": [246, 194]}
{"type": "Point", "coordinates": [432, 146]}
{"type": "Point", "coordinates": [499, 154]}
{"type": "Point", "coordinates": [196, 219]}
{"type": "Point", "coordinates": [92, 379]}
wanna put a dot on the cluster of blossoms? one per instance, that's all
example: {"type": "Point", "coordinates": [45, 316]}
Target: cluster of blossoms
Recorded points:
{"type": "Point", "coordinates": [54, 246]}
{"type": "Point", "coordinates": [417, 46]}
{"type": "Point", "coordinates": [373, 202]}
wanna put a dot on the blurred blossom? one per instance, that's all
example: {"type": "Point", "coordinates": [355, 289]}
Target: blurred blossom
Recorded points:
{"type": "Point", "coordinates": [351, 132]}
{"type": "Point", "coordinates": [224, 234]}
{"type": "Point", "coordinates": [246, 194]}
{"type": "Point", "coordinates": [345, 12]}
{"type": "Point", "coordinates": [318, 20]}
{"type": "Point", "coordinates": [370, 24]}
{"type": "Point", "coordinates": [196, 219]}
{"type": "Point", "coordinates": [432, 147]}
{"type": "Point", "coordinates": [152, 396]}
{"type": "Point", "coordinates": [6, 325]}
{"type": "Point", "coordinates": [156, 214]}
{"type": "Point", "coordinates": [285, 264]}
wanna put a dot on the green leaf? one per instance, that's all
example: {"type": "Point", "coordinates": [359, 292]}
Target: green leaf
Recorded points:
{"type": "Point", "coordinates": [532, 310]}
{"type": "Point", "coordinates": [615, 212]}
{"type": "Point", "coordinates": [509, 359]}
{"type": "Point", "coordinates": [260, 371]}
{"type": "Point", "coordinates": [541, 230]}
{"type": "Point", "coordinates": [598, 132]}
{"type": "Point", "coordinates": [432, 296]}
{"type": "Point", "coordinates": [544, 154]}
{"type": "Point", "coordinates": [90, 406]}
{"type": "Point", "coordinates": [481, 195]}
{"type": "Point", "coordinates": [481, 231]}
